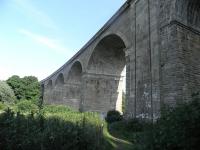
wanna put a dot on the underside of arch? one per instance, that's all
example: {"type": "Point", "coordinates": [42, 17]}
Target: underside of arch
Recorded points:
{"type": "Point", "coordinates": [49, 85]}
{"type": "Point", "coordinates": [60, 80]}
{"type": "Point", "coordinates": [75, 72]}
{"type": "Point", "coordinates": [73, 86]}
{"type": "Point", "coordinates": [47, 92]}
{"type": "Point", "coordinates": [103, 80]}
{"type": "Point", "coordinates": [58, 91]}
{"type": "Point", "coordinates": [108, 56]}
{"type": "Point", "coordinates": [189, 10]}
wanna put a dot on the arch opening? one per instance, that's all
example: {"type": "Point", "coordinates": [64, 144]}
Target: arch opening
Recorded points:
{"type": "Point", "coordinates": [189, 11]}
{"type": "Point", "coordinates": [108, 56]}
{"type": "Point", "coordinates": [60, 80]}
{"type": "Point", "coordinates": [75, 73]}
{"type": "Point", "coordinates": [59, 90]}
{"type": "Point", "coordinates": [73, 90]}
{"type": "Point", "coordinates": [105, 79]}
{"type": "Point", "coordinates": [193, 12]}
{"type": "Point", "coordinates": [47, 93]}
{"type": "Point", "coordinates": [50, 85]}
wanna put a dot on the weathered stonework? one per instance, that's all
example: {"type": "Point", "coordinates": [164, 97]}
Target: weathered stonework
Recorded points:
{"type": "Point", "coordinates": [159, 43]}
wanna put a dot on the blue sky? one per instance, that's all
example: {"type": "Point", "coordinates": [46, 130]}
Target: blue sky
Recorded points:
{"type": "Point", "coordinates": [38, 36]}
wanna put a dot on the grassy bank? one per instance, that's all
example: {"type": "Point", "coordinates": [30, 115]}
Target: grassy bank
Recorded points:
{"type": "Point", "coordinates": [26, 127]}
{"type": "Point", "coordinates": [53, 127]}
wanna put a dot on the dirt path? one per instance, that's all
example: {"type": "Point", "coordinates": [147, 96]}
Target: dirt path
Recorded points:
{"type": "Point", "coordinates": [119, 144]}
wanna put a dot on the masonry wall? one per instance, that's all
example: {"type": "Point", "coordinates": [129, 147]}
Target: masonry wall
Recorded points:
{"type": "Point", "coordinates": [101, 93]}
{"type": "Point", "coordinates": [161, 42]}
{"type": "Point", "coordinates": [143, 62]}
{"type": "Point", "coordinates": [180, 50]}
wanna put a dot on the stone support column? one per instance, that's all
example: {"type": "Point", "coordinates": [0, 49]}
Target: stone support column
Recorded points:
{"type": "Point", "coordinates": [100, 92]}
{"type": "Point", "coordinates": [130, 84]}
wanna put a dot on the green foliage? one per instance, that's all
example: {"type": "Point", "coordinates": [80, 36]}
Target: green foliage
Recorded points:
{"type": "Point", "coordinates": [127, 129]}
{"type": "Point", "coordinates": [60, 130]}
{"type": "Point", "coordinates": [177, 129]}
{"type": "Point", "coordinates": [16, 84]}
{"type": "Point", "coordinates": [113, 116]}
{"type": "Point", "coordinates": [119, 129]}
{"type": "Point", "coordinates": [2, 106]}
{"type": "Point", "coordinates": [136, 125]}
{"type": "Point", "coordinates": [25, 88]}
{"type": "Point", "coordinates": [57, 109]}
{"type": "Point", "coordinates": [118, 136]}
{"type": "Point", "coordinates": [6, 93]}
{"type": "Point", "coordinates": [26, 106]}
{"type": "Point", "coordinates": [32, 90]}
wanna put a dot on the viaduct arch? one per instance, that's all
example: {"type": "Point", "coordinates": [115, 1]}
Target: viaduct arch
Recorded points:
{"type": "Point", "coordinates": [103, 78]}
{"type": "Point", "coordinates": [158, 41]}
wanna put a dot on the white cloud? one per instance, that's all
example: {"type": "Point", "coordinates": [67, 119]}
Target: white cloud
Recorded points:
{"type": "Point", "coordinates": [48, 42]}
{"type": "Point", "coordinates": [31, 11]}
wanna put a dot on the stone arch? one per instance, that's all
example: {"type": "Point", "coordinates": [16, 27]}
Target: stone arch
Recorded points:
{"type": "Point", "coordinates": [189, 10]}
{"type": "Point", "coordinates": [108, 56]}
{"type": "Point", "coordinates": [50, 85]}
{"type": "Point", "coordinates": [75, 73]}
{"type": "Point", "coordinates": [73, 83]}
{"type": "Point", "coordinates": [47, 92]}
{"type": "Point", "coordinates": [103, 79]}
{"type": "Point", "coordinates": [193, 12]}
{"type": "Point", "coordinates": [125, 40]}
{"type": "Point", "coordinates": [60, 80]}
{"type": "Point", "coordinates": [59, 89]}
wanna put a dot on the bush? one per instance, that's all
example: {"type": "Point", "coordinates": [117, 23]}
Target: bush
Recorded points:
{"type": "Point", "coordinates": [127, 129]}
{"type": "Point", "coordinates": [137, 125]}
{"type": "Point", "coordinates": [2, 106]}
{"type": "Point", "coordinates": [113, 116]}
{"type": "Point", "coordinates": [57, 109]}
{"type": "Point", "coordinates": [50, 132]}
{"type": "Point", "coordinates": [177, 129]}
{"type": "Point", "coordinates": [25, 88]}
{"type": "Point", "coordinates": [6, 93]}
{"type": "Point", "coordinates": [26, 106]}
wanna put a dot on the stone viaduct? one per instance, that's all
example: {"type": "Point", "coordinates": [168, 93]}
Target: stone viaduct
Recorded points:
{"type": "Point", "coordinates": [158, 41]}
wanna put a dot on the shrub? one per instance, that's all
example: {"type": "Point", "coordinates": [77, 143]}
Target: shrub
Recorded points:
{"type": "Point", "coordinates": [57, 109]}
{"type": "Point", "coordinates": [34, 132]}
{"type": "Point", "coordinates": [6, 93]}
{"type": "Point", "coordinates": [113, 116]}
{"type": "Point", "coordinates": [177, 129]}
{"type": "Point", "coordinates": [2, 106]}
{"type": "Point", "coordinates": [26, 106]}
{"type": "Point", "coordinates": [137, 125]}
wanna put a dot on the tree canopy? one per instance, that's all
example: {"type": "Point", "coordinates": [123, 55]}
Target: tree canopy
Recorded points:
{"type": "Point", "coordinates": [25, 88]}
{"type": "Point", "coordinates": [6, 93]}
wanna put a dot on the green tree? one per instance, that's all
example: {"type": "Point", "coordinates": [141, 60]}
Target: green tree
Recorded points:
{"type": "Point", "coordinates": [32, 88]}
{"type": "Point", "coordinates": [15, 82]}
{"type": "Point", "coordinates": [25, 88]}
{"type": "Point", "coordinates": [6, 93]}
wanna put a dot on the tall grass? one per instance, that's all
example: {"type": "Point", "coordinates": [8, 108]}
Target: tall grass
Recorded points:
{"type": "Point", "coordinates": [52, 128]}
